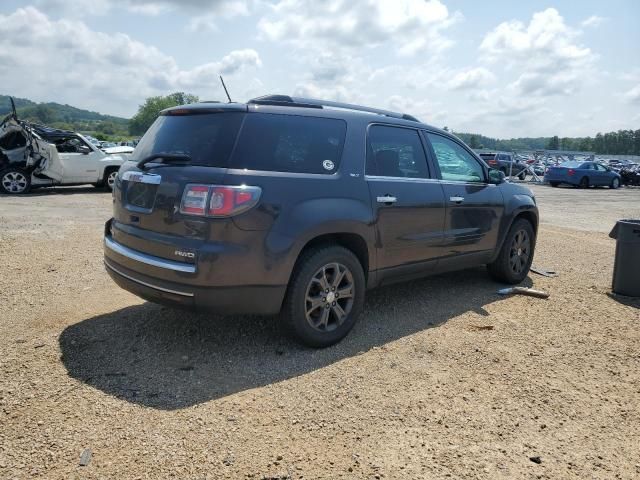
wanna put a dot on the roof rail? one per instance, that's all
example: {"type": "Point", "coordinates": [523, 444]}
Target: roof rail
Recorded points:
{"type": "Point", "coordinates": [287, 101]}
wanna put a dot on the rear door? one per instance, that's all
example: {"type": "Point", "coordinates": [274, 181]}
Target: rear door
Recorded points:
{"type": "Point", "coordinates": [79, 161]}
{"type": "Point", "coordinates": [408, 203]}
{"type": "Point", "coordinates": [473, 206]}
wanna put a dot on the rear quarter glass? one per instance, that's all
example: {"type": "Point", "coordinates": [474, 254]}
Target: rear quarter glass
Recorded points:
{"type": "Point", "coordinates": [289, 143]}
{"type": "Point", "coordinates": [207, 138]}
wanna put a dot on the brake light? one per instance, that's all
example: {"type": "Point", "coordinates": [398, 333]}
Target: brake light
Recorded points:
{"type": "Point", "coordinates": [492, 162]}
{"type": "Point", "coordinates": [571, 172]}
{"type": "Point", "coordinates": [218, 200]}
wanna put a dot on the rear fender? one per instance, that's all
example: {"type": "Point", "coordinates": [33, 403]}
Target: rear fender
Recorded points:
{"type": "Point", "coordinates": [317, 217]}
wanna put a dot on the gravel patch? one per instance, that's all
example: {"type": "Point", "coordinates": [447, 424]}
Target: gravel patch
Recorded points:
{"type": "Point", "coordinates": [97, 383]}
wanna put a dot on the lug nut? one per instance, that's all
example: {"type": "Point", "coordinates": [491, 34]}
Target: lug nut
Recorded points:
{"type": "Point", "coordinates": [334, 304]}
{"type": "Point", "coordinates": [327, 290]}
{"type": "Point", "coordinates": [333, 289]}
{"type": "Point", "coordinates": [324, 299]}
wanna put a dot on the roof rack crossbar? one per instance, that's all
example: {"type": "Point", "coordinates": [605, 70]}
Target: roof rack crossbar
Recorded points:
{"type": "Point", "coordinates": [285, 100]}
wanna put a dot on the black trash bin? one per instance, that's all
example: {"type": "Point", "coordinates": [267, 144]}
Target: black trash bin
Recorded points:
{"type": "Point", "coordinates": [626, 270]}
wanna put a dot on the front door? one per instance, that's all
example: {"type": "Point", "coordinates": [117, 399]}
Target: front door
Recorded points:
{"type": "Point", "coordinates": [474, 207]}
{"type": "Point", "coordinates": [408, 204]}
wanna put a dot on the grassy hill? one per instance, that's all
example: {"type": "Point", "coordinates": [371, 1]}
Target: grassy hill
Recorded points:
{"type": "Point", "coordinates": [56, 115]}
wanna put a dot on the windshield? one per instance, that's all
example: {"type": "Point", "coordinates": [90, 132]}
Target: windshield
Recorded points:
{"type": "Point", "coordinates": [207, 138]}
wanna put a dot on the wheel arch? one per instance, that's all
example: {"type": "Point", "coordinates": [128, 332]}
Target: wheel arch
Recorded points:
{"type": "Point", "coordinates": [353, 242]}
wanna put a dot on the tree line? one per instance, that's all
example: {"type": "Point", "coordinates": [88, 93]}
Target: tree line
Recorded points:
{"type": "Point", "coordinates": [622, 142]}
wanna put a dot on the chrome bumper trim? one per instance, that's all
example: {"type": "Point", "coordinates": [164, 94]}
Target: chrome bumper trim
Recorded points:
{"type": "Point", "coordinates": [148, 259]}
{"type": "Point", "coordinates": [155, 287]}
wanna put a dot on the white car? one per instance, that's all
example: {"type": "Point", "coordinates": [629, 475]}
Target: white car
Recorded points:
{"type": "Point", "coordinates": [33, 155]}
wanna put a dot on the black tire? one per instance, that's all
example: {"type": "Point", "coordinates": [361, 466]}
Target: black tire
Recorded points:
{"type": "Point", "coordinates": [523, 176]}
{"type": "Point", "coordinates": [584, 182]}
{"type": "Point", "coordinates": [15, 181]}
{"type": "Point", "coordinates": [615, 183]}
{"type": "Point", "coordinates": [554, 184]}
{"type": "Point", "coordinates": [317, 266]}
{"type": "Point", "coordinates": [514, 260]}
{"type": "Point", "coordinates": [109, 179]}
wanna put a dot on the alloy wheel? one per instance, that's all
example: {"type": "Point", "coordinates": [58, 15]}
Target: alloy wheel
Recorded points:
{"type": "Point", "coordinates": [519, 252]}
{"type": "Point", "coordinates": [111, 179]}
{"type": "Point", "coordinates": [14, 182]}
{"type": "Point", "coordinates": [329, 297]}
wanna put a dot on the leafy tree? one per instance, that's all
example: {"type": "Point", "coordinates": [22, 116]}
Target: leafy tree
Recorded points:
{"type": "Point", "coordinates": [554, 143]}
{"type": "Point", "coordinates": [149, 111]}
{"type": "Point", "coordinates": [473, 141]}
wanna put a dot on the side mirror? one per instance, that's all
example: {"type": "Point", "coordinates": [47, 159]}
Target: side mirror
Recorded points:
{"type": "Point", "coordinates": [84, 150]}
{"type": "Point", "coordinates": [496, 177]}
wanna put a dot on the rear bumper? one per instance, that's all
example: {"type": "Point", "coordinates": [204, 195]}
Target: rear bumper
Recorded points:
{"type": "Point", "coordinates": [245, 299]}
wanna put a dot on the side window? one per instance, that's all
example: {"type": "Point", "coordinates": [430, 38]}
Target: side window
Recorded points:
{"type": "Point", "coordinates": [455, 162]}
{"type": "Point", "coordinates": [288, 143]}
{"type": "Point", "coordinates": [395, 152]}
{"type": "Point", "coordinates": [70, 145]}
{"type": "Point", "coordinates": [587, 166]}
{"type": "Point", "coordinates": [600, 167]}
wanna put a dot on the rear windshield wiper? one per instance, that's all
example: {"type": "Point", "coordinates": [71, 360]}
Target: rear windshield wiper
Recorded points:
{"type": "Point", "coordinates": [166, 157]}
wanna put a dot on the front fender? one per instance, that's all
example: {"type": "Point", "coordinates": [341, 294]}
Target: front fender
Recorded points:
{"type": "Point", "coordinates": [516, 204]}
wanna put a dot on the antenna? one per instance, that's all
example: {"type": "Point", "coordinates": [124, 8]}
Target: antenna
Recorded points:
{"type": "Point", "coordinates": [225, 89]}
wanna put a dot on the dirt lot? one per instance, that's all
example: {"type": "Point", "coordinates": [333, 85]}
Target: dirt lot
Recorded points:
{"type": "Point", "coordinates": [441, 378]}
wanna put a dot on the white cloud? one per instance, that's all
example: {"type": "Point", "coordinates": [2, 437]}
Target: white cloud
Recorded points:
{"type": "Point", "coordinates": [633, 95]}
{"type": "Point", "coordinates": [544, 52]}
{"type": "Point", "coordinates": [593, 21]}
{"type": "Point", "coordinates": [110, 72]}
{"type": "Point", "coordinates": [412, 26]}
{"type": "Point", "coordinates": [471, 78]}
{"type": "Point", "coordinates": [146, 7]}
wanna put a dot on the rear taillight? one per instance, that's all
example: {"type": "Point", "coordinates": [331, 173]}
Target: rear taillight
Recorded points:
{"type": "Point", "coordinates": [571, 172]}
{"type": "Point", "coordinates": [492, 162]}
{"type": "Point", "coordinates": [218, 200]}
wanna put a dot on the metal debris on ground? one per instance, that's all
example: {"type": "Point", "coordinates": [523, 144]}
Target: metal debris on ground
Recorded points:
{"type": "Point", "coordinates": [523, 291]}
{"type": "Point", "coordinates": [544, 272]}
{"type": "Point", "coordinates": [85, 457]}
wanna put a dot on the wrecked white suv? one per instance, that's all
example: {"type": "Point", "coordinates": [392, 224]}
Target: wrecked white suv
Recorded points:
{"type": "Point", "coordinates": [33, 155]}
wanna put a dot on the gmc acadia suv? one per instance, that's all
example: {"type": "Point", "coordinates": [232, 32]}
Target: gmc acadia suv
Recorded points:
{"type": "Point", "coordinates": [299, 206]}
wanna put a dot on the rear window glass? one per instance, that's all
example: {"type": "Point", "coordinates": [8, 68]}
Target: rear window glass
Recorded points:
{"type": "Point", "coordinates": [488, 156]}
{"type": "Point", "coordinates": [288, 143]}
{"type": "Point", "coordinates": [207, 138]}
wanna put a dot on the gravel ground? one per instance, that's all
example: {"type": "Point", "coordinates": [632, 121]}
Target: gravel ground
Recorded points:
{"type": "Point", "coordinates": [441, 378]}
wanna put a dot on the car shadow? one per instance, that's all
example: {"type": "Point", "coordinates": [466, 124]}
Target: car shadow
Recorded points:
{"type": "Point", "coordinates": [169, 359]}
{"type": "Point", "coordinates": [59, 190]}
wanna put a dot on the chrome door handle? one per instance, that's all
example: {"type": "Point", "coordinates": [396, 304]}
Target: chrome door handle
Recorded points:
{"type": "Point", "coordinates": [387, 199]}
{"type": "Point", "coordinates": [457, 199]}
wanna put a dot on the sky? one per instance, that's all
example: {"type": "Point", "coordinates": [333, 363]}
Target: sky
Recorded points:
{"type": "Point", "coordinates": [499, 68]}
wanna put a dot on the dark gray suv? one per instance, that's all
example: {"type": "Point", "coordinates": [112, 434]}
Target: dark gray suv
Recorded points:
{"type": "Point", "coordinates": [299, 206]}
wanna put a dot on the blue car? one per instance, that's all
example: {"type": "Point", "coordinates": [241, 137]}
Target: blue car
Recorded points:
{"type": "Point", "coordinates": [582, 174]}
